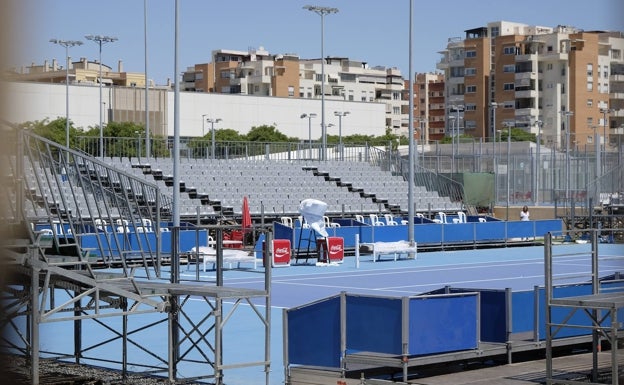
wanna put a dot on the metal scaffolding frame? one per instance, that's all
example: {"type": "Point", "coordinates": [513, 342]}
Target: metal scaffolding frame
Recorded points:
{"type": "Point", "coordinates": [601, 308]}
{"type": "Point", "coordinates": [49, 277]}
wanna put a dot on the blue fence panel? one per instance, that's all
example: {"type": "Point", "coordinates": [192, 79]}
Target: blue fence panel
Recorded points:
{"type": "Point", "coordinates": [523, 311]}
{"type": "Point", "coordinates": [559, 314]}
{"type": "Point", "coordinates": [443, 324]}
{"type": "Point", "coordinates": [428, 233]}
{"type": "Point", "coordinates": [281, 231]}
{"type": "Point", "coordinates": [389, 233]}
{"type": "Point", "coordinates": [314, 334]}
{"type": "Point", "coordinates": [374, 324]}
{"type": "Point", "coordinates": [490, 231]}
{"type": "Point", "coordinates": [548, 225]}
{"type": "Point", "coordinates": [458, 232]}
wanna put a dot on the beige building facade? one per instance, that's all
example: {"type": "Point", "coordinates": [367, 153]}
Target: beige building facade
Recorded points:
{"type": "Point", "coordinates": [540, 79]}
{"type": "Point", "coordinates": [259, 73]}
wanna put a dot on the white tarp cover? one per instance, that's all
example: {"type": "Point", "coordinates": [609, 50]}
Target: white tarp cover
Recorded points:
{"type": "Point", "coordinates": [313, 211]}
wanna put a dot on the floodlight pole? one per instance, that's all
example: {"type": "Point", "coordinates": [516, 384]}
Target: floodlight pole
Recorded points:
{"type": "Point", "coordinates": [212, 123]}
{"type": "Point", "coordinates": [66, 44]}
{"type": "Point", "coordinates": [322, 11]}
{"type": "Point", "coordinates": [340, 114]}
{"type": "Point", "coordinates": [147, 126]}
{"type": "Point", "coordinates": [539, 124]}
{"type": "Point", "coordinates": [566, 115]}
{"type": "Point", "coordinates": [309, 116]}
{"type": "Point", "coordinates": [101, 40]}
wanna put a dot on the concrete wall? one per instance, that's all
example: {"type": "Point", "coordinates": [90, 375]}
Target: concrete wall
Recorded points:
{"type": "Point", "coordinates": [38, 101]}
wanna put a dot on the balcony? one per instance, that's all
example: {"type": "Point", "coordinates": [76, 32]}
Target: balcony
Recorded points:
{"type": "Point", "coordinates": [525, 75]}
{"type": "Point", "coordinates": [550, 56]}
{"type": "Point", "coordinates": [456, 80]}
{"type": "Point", "coordinates": [528, 57]}
{"type": "Point", "coordinates": [616, 95]}
{"type": "Point", "coordinates": [527, 94]}
{"type": "Point", "coordinates": [616, 78]}
{"type": "Point", "coordinates": [523, 113]}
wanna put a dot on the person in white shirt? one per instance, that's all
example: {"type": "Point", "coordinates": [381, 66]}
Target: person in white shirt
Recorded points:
{"type": "Point", "coordinates": [524, 214]}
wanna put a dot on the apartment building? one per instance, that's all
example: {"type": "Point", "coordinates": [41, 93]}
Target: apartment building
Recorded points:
{"type": "Point", "coordinates": [80, 72]}
{"type": "Point", "coordinates": [536, 78]}
{"type": "Point", "coordinates": [429, 106]}
{"type": "Point", "coordinates": [257, 72]}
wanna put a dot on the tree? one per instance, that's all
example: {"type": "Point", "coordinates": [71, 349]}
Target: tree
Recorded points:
{"type": "Point", "coordinates": [265, 133]}
{"type": "Point", "coordinates": [53, 130]}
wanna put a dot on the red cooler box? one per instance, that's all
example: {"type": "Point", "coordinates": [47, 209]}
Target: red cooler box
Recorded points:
{"type": "Point", "coordinates": [281, 253]}
{"type": "Point", "coordinates": [336, 249]}
{"type": "Point", "coordinates": [331, 248]}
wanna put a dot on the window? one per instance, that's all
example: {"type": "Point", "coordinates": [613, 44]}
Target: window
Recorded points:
{"type": "Point", "coordinates": [590, 102]}
{"type": "Point", "coordinates": [590, 69]}
{"type": "Point", "coordinates": [590, 86]}
{"type": "Point", "coordinates": [291, 91]}
{"type": "Point", "coordinates": [549, 66]}
{"type": "Point", "coordinates": [616, 54]}
{"type": "Point", "coordinates": [590, 121]}
{"type": "Point", "coordinates": [471, 53]}
{"type": "Point", "coordinates": [509, 68]}
{"type": "Point", "coordinates": [470, 125]}
{"type": "Point", "coordinates": [319, 77]}
{"type": "Point", "coordinates": [509, 104]}
{"type": "Point", "coordinates": [471, 107]}
{"type": "Point", "coordinates": [494, 31]}
{"type": "Point", "coordinates": [396, 96]}
{"type": "Point", "coordinates": [509, 86]}
{"type": "Point", "coordinates": [396, 110]}
{"type": "Point", "coordinates": [510, 50]}
{"type": "Point", "coordinates": [471, 89]}
{"type": "Point", "coordinates": [470, 71]}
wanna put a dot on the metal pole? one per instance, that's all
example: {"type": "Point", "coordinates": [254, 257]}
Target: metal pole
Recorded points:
{"type": "Point", "coordinates": [508, 167]}
{"type": "Point", "coordinates": [100, 107]}
{"type": "Point", "coordinates": [66, 44]}
{"type": "Point", "coordinates": [213, 147]}
{"type": "Point", "coordinates": [410, 196]}
{"type": "Point", "coordinates": [494, 105]}
{"type": "Point", "coordinates": [538, 161]}
{"type": "Point", "coordinates": [101, 40]}
{"type": "Point", "coordinates": [322, 11]}
{"type": "Point", "coordinates": [310, 134]}
{"type": "Point", "coordinates": [147, 126]}
{"type": "Point", "coordinates": [323, 128]}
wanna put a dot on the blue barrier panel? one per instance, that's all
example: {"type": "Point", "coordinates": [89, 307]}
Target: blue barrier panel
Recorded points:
{"type": "Point", "coordinates": [490, 231]}
{"type": "Point", "coordinates": [548, 225]}
{"type": "Point", "coordinates": [374, 324]}
{"type": "Point", "coordinates": [523, 311]}
{"type": "Point", "coordinates": [520, 229]}
{"type": "Point", "coordinates": [314, 334]}
{"type": "Point", "coordinates": [428, 233]}
{"type": "Point", "coordinates": [492, 312]}
{"type": "Point", "coordinates": [458, 232]}
{"type": "Point", "coordinates": [281, 231]}
{"type": "Point", "coordinates": [165, 241]}
{"type": "Point", "coordinates": [90, 241]}
{"type": "Point", "coordinates": [610, 287]}
{"type": "Point", "coordinates": [443, 324]}
{"type": "Point", "coordinates": [389, 233]}
{"type": "Point", "coordinates": [559, 314]}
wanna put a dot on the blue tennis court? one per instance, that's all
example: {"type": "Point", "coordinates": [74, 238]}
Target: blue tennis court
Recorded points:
{"type": "Point", "coordinates": [516, 268]}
